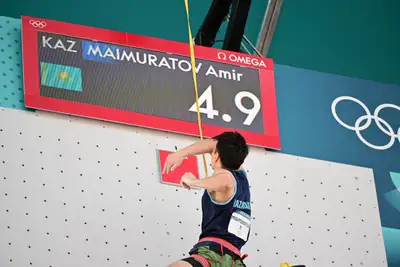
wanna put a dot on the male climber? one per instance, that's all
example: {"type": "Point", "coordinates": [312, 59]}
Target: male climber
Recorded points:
{"type": "Point", "coordinates": [225, 203]}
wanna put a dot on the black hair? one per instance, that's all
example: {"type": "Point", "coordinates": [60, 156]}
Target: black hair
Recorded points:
{"type": "Point", "coordinates": [232, 149]}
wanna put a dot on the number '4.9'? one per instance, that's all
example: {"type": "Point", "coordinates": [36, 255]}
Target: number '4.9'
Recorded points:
{"type": "Point", "coordinates": [209, 110]}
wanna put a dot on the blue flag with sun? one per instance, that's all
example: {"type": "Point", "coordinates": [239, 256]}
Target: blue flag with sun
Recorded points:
{"type": "Point", "coordinates": [61, 76]}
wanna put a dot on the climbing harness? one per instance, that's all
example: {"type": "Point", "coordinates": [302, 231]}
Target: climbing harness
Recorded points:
{"type": "Point", "coordinates": [223, 249]}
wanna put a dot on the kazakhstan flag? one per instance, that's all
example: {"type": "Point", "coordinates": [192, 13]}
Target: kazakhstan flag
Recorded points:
{"type": "Point", "coordinates": [61, 76]}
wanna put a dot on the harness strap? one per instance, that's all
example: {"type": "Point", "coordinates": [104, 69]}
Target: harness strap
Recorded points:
{"type": "Point", "coordinates": [225, 244]}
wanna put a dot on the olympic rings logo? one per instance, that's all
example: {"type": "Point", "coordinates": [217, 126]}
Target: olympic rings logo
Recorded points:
{"type": "Point", "coordinates": [358, 128]}
{"type": "Point", "coordinates": [38, 23]}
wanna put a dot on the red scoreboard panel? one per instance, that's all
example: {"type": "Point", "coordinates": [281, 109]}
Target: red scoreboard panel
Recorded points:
{"type": "Point", "coordinates": [144, 81]}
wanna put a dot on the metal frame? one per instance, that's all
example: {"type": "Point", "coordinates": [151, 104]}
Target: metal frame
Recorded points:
{"type": "Point", "coordinates": [268, 27]}
{"type": "Point", "coordinates": [248, 41]}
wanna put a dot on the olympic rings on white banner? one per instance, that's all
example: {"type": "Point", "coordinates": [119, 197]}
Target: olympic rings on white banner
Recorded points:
{"type": "Point", "coordinates": [38, 23]}
{"type": "Point", "coordinates": [358, 126]}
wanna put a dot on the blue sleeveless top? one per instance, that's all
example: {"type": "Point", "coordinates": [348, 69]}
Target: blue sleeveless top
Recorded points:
{"type": "Point", "coordinates": [231, 220]}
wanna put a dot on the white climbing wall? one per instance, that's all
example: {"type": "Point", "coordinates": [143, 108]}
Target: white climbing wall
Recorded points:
{"type": "Point", "coordinates": [79, 192]}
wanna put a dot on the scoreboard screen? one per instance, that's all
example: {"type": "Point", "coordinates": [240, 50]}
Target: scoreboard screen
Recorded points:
{"type": "Point", "coordinates": [147, 82]}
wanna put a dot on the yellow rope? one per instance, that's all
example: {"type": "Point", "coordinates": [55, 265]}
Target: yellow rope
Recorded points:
{"type": "Point", "coordinates": [193, 61]}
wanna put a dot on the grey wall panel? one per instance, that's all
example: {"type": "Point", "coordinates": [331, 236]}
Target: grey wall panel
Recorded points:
{"type": "Point", "coordinates": [78, 192]}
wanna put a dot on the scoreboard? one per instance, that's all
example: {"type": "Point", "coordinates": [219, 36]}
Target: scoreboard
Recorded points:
{"type": "Point", "coordinates": [147, 82]}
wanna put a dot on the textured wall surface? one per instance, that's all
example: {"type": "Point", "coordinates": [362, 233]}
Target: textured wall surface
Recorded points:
{"type": "Point", "coordinates": [77, 192]}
